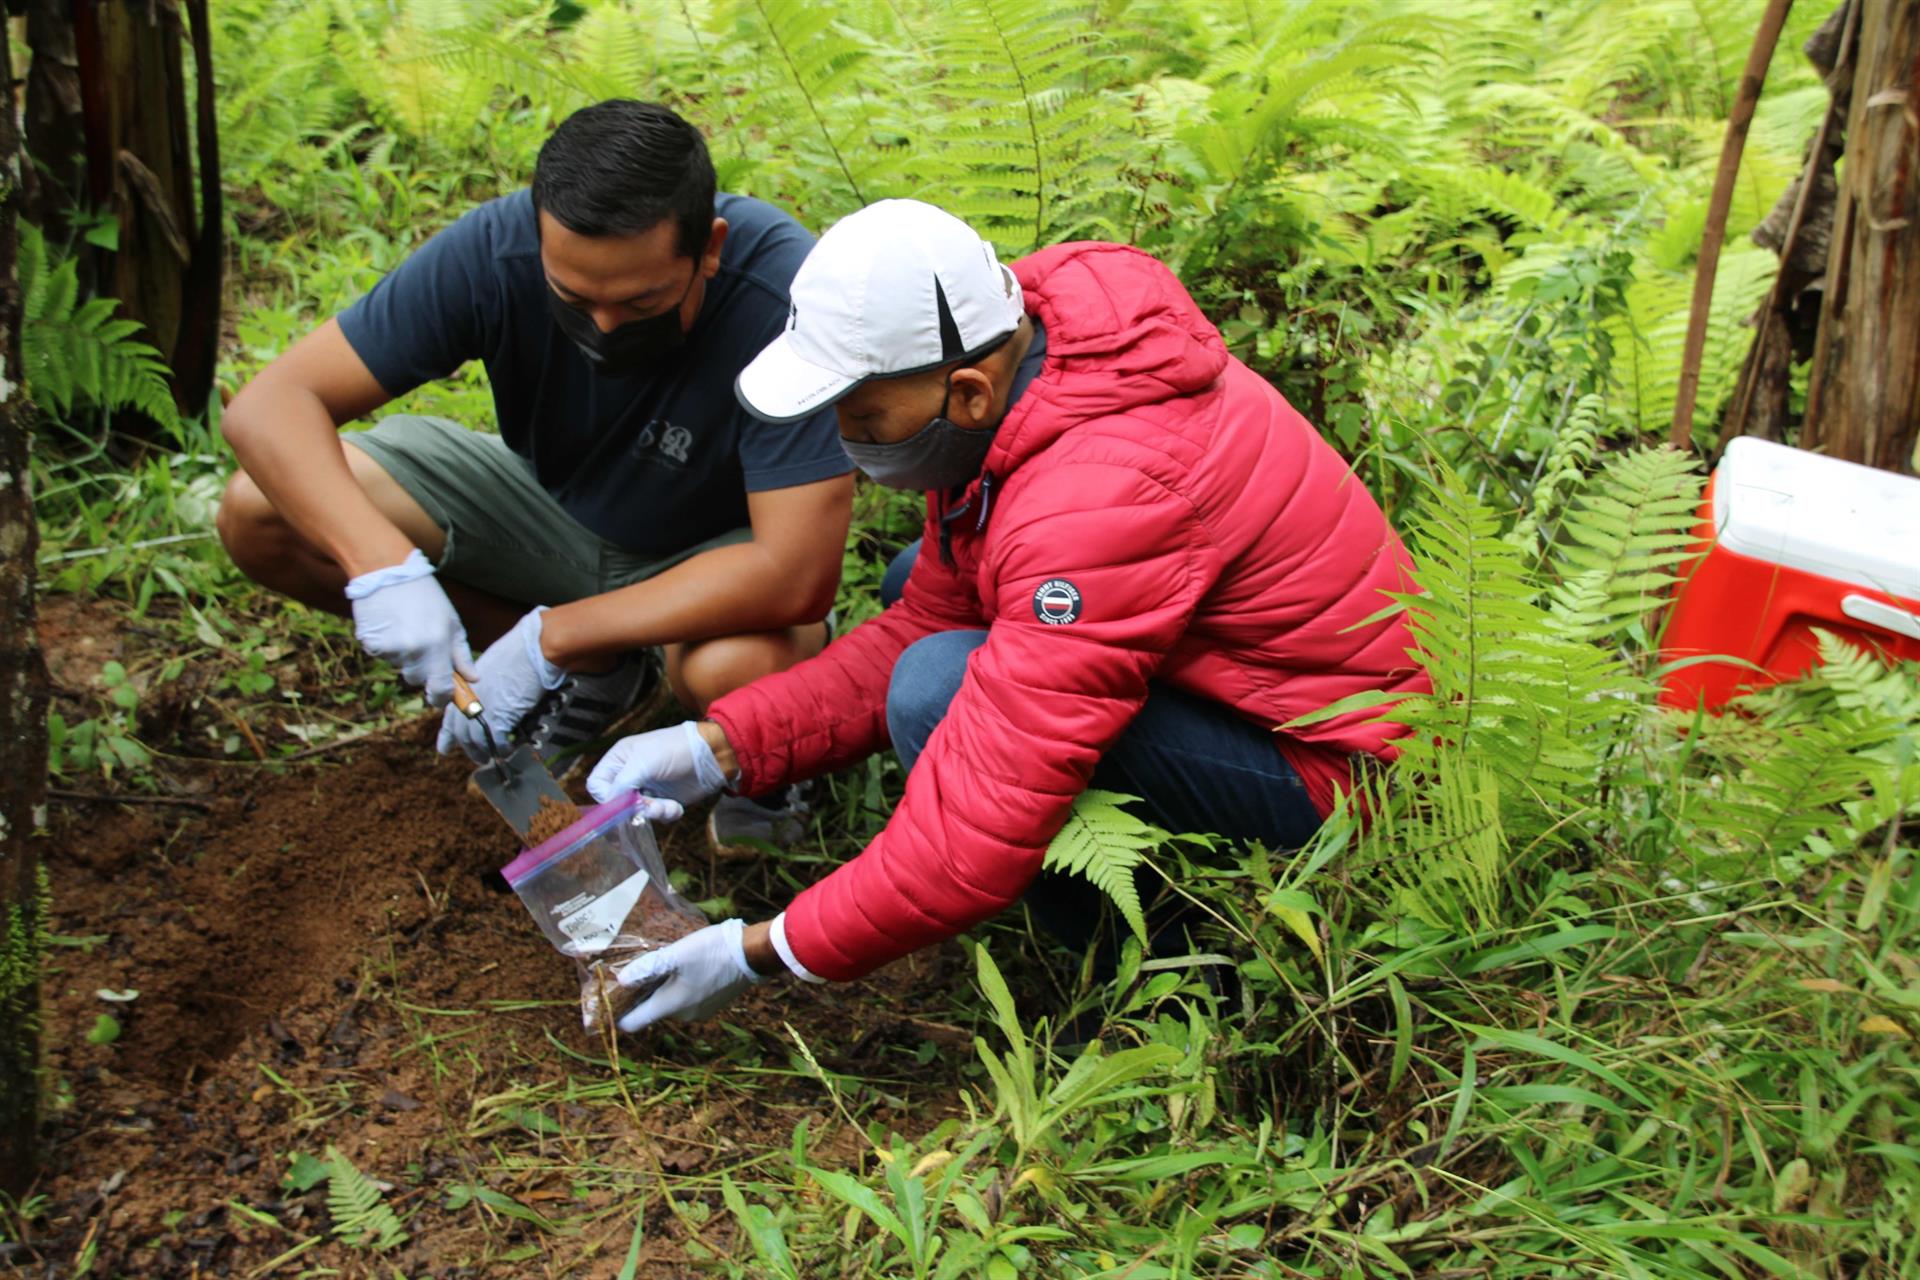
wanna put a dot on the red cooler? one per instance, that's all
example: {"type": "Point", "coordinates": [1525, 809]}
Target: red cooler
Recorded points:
{"type": "Point", "coordinates": [1791, 541]}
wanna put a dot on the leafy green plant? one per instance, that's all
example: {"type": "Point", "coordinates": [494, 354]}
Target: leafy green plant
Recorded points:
{"type": "Point", "coordinates": [16, 1217]}
{"type": "Point", "coordinates": [74, 351]}
{"type": "Point", "coordinates": [989, 1196]}
{"type": "Point", "coordinates": [100, 743]}
{"type": "Point", "coordinates": [360, 1216]}
{"type": "Point", "coordinates": [1105, 844]}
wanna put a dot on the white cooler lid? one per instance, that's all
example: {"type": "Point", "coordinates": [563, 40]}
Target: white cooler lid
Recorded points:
{"type": "Point", "coordinates": [1839, 520]}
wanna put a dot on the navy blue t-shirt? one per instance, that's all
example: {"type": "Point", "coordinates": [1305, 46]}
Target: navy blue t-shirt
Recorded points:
{"type": "Point", "coordinates": [654, 461]}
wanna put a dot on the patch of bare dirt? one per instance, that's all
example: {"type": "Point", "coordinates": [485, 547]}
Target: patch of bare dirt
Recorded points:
{"type": "Point", "coordinates": [320, 960]}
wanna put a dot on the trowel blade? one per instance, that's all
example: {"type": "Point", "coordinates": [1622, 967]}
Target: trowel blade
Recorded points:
{"type": "Point", "coordinates": [514, 786]}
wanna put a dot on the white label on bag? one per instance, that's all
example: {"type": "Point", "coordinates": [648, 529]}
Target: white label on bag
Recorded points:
{"type": "Point", "coordinates": [596, 924]}
{"type": "Point", "coordinates": [573, 904]}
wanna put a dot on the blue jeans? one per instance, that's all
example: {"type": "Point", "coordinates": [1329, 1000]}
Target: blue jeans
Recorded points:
{"type": "Point", "coordinates": [1196, 765]}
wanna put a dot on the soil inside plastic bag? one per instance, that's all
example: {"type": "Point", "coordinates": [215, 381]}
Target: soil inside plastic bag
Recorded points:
{"type": "Point", "coordinates": [653, 923]}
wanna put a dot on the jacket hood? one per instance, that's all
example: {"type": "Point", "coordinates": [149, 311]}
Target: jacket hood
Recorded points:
{"type": "Point", "coordinates": [1121, 333]}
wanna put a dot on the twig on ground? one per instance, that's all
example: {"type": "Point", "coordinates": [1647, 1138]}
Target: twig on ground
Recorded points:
{"type": "Point", "coordinates": [120, 797]}
{"type": "Point", "coordinates": [246, 730]}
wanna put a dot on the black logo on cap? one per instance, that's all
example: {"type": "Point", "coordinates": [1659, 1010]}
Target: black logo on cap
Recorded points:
{"type": "Point", "coordinates": [1056, 602]}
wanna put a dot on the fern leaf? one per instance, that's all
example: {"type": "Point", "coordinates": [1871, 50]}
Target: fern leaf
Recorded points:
{"type": "Point", "coordinates": [1103, 844]}
{"type": "Point", "coordinates": [1652, 335]}
{"type": "Point", "coordinates": [1631, 527]}
{"type": "Point", "coordinates": [1029, 120]}
{"type": "Point", "coordinates": [1862, 682]}
{"type": "Point", "coordinates": [1442, 848]}
{"type": "Point", "coordinates": [359, 1214]}
{"type": "Point", "coordinates": [1544, 707]}
{"type": "Point", "coordinates": [1498, 191]}
{"type": "Point", "coordinates": [1786, 792]}
{"type": "Point", "coordinates": [1562, 467]}
{"type": "Point", "coordinates": [75, 352]}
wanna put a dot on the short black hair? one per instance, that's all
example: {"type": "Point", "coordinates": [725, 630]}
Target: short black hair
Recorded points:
{"type": "Point", "coordinates": [622, 167]}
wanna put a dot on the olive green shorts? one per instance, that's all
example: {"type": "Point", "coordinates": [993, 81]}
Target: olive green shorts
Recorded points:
{"type": "Point", "coordinates": [506, 535]}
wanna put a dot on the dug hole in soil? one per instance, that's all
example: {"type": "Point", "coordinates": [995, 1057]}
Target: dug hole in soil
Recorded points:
{"type": "Point", "coordinates": [304, 943]}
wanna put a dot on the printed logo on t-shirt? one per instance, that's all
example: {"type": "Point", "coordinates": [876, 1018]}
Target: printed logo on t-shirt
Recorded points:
{"type": "Point", "coordinates": [1056, 602]}
{"type": "Point", "coordinates": [663, 439]}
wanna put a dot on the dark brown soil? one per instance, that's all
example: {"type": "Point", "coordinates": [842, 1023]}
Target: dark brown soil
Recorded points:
{"type": "Point", "coordinates": [320, 961]}
{"type": "Point", "coordinates": [550, 819]}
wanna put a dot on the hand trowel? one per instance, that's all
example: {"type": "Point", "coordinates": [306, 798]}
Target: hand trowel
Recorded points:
{"type": "Point", "coordinates": [515, 784]}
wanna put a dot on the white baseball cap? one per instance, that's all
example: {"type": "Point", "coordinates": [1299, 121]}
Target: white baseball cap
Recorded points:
{"type": "Point", "coordinates": [896, 288]}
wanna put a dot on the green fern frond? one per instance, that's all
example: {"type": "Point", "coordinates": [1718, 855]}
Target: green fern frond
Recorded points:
{"type": "Point", "coordinates": [1028, 116]}
{"type": "Point", "coordinates": [1561, 469]}
{"type": "Point", "coordinates": [1630, 528]}
{"type": "Point", "coordinates": [279, 88]}
{"type": "Point", "coordinates": [1791, 787]}
{"type": "Point", "coordinates": [1498, 191]}
{"type": "Point", "coordinates": [1442, 849]}
{"type": "Point", "coordinates": [74, 352]}
{"type": "Point", "coordinates": [1103, 844]}
{"type": "Point", "coordinates": [1886, 695]}
{"type": "Point", "coordinates": [1861, 682]}
{"type": "Point", "coordinates": [1508, 686]}
{"type": "Point", "coordinates": [818, 104]}
{"type": "Point", "coordinates": [506, 66]}
{"type": "Point", "coordinates": [1834, 754]}
{"type": "Point", "coordinates": [1651, 336]}
{"type": "Point", "coordinates": [359, 1214]}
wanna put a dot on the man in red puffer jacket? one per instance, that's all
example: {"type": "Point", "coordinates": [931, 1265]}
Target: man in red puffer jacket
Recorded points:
{"type": "Point", "coordinates": [1138, 562]}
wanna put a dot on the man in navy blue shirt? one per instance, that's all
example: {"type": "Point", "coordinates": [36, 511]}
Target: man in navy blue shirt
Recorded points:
{"type": "Point", "coordinates": [626, 505]}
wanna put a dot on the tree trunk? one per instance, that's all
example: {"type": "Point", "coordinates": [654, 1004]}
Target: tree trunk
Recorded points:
{"type": "Point", "coordinates": [23, 717]}
{"type": "Point", "coordinates": [1863, 397]}
{"type": "Point", "coordinates": [110, 129]}
{"type": "Point", "coordinates": [56, 140]}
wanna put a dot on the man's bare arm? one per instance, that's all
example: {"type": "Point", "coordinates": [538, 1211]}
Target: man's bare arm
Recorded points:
{"type": "Point", "coordinates": [784, 577]}
{"type": "Point", "coordinates": [284, 427]}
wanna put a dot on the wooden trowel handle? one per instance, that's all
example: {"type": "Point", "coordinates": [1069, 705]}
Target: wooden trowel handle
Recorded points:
{"type": "Point", "coordinates": [464, 697]}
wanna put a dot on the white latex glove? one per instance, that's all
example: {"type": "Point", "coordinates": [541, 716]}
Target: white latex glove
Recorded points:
{"type": "Point", "coordinates": [706, 971]}
{"type": "Point", "coordinates": [671, 768]}
{"type": "Point", "coordinates": [401, 614]}
{"type": "Point", "coordinates": [513, 674]}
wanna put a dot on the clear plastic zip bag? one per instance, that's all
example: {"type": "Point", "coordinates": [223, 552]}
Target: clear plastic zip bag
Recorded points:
{"type": "Point", "coordinates": [599, 891]}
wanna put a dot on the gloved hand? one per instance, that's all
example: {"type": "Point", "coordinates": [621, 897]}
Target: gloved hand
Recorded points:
{"type": "Point", "coordinates": [401, 614]}
{"type": "Point", "coordinates": [707, 971]}
{"type": "Point", "coordinates": [513, 674]}
{"type": "Point", "coordinates": [670, 768]}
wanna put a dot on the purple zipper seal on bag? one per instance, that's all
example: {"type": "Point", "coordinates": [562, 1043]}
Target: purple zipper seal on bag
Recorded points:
{"type": "Point", "coordinates": [590, 823]}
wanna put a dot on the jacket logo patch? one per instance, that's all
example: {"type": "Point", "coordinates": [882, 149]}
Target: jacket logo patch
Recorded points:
{"type": "Point", "coordinates": [1056, 602]}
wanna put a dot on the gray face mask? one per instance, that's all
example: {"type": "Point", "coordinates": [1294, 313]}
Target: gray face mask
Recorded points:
{"type": "Point", "coordinates": [940, 455]}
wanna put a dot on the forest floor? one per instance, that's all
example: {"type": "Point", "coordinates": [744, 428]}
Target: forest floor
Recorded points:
{"type": "Point", "coordinates": [322, 962]}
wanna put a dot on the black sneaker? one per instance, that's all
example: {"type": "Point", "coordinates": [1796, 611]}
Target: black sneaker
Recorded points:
{"type": "Point", "coordinates": [590, 706]}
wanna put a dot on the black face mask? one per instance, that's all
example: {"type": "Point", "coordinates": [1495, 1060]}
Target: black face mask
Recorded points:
{"type": "Point", "coordinates": [631, 347]}
{"type": "Point", "coordinates": [940, 455]}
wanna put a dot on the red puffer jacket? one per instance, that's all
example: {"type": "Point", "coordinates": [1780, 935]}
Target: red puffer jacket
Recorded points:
{"type": "Point", "coordinates": [1150, 510]}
